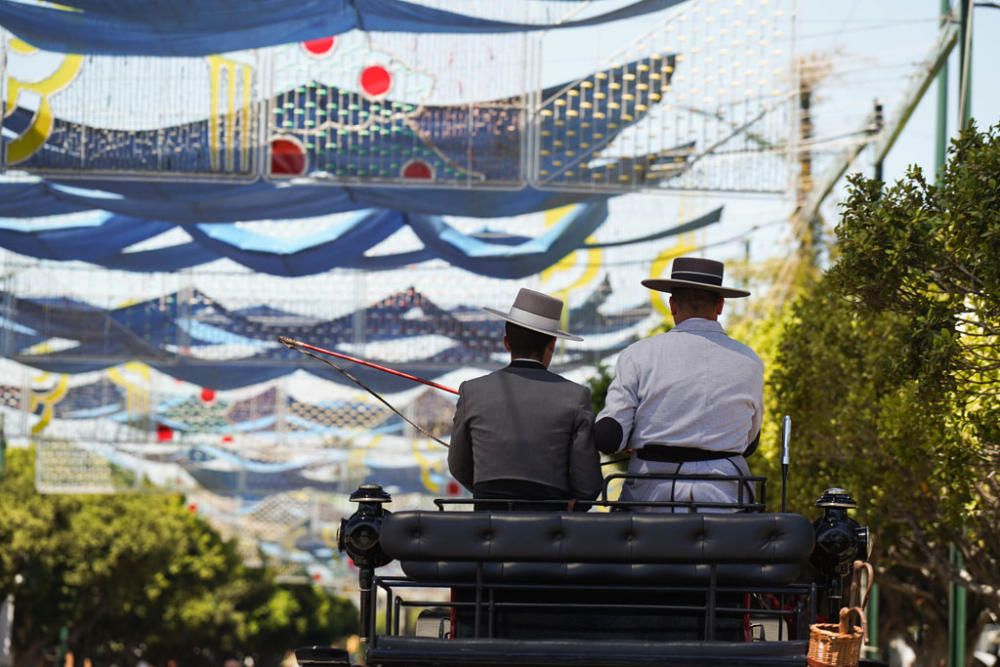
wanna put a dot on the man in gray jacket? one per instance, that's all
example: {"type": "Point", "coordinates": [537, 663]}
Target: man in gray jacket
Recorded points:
{"type": "Point", "coordinates": [523, 432]}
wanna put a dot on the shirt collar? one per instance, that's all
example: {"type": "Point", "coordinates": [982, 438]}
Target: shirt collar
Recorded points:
{"type": "Point", "coordinates": [699, 324]}
{"type": "Point", "coordinates": [523, 362]}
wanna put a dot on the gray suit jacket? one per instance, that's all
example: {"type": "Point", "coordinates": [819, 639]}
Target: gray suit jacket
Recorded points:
{"type": "Point", "coordinates": [523, 422]}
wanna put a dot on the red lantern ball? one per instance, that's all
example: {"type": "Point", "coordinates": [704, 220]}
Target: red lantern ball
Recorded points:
{"type": "Point", "coordinates": [376, 80]}
{"type": "Point", "coordinates": [288, 157]}
{"type": "Point", "coordinates": [319, 47]}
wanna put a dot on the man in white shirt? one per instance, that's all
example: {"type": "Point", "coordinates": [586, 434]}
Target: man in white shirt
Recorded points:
{"type": "Point", "coordinates": [688, 401]}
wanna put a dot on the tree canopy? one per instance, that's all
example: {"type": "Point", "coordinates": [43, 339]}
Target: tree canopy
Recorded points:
{"type": "Point", "coordinates": [890, 366]}
{"type": "Point", "coordinates": [129, 576]}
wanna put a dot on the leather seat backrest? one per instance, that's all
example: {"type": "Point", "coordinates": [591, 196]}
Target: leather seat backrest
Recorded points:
{"type": "Point", "coordinates": [617, 537]}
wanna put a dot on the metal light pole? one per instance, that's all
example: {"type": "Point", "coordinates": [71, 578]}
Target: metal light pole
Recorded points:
{"type": "Point", "coordinates": [941, 152]}
{"type": "Point", "coordinates": [965, 64]}
{"type": "Point", "coordinates": [956, 592]}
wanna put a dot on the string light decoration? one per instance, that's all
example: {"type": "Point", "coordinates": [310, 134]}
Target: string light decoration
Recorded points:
{"type": "Point", "coordinates": [378, 110]}
{"type": "Point", "coordinates": [702, 102]}
{"type": "Point", "coordinates": [128, 117]}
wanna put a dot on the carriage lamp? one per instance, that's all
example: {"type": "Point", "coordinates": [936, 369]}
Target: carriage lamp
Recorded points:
{"type": "Point", "coordinates": [840, 540]}
{"type": "Point", "coordinates": [360, 537]}
{"type": "Point", "coordinates": [359, 533]}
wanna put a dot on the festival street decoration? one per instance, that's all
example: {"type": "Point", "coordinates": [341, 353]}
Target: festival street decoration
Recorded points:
{"type": "Point", "coordinates": [179, 190]}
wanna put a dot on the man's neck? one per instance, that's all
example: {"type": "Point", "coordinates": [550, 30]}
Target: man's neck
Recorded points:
{"type": "Point", "coordinates": [678, 318]}
{"type": "Point", "coordinates": [528, 359]}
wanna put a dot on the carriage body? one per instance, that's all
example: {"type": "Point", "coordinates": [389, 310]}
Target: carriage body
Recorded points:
{"type": "Point", "coordinates": [499, 586]}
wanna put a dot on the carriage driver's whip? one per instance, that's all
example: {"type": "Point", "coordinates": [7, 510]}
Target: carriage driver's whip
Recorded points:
{"type": "Point", "coordinates": [312, 350]}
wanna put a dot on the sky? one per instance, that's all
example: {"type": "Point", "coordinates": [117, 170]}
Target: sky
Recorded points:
{"type": "Point", "coordinates": [875, 47]}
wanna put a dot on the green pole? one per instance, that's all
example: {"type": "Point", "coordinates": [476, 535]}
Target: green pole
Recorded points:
{"type": "Point", "coordinates": [942, 103]}
{"type": "Point", "coordinates": [956, 612]}
{"type": "Point", "coordinates": [873, 648]}
{"type": "Point", "coordinates": [965, 64]}
{"type": "Point", "coordinates": [956, 592]}
{"type": "Point", "coordinates": [63, 647]}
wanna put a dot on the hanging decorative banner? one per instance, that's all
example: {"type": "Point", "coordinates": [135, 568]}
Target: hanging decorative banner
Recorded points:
{"type": "Point", "coordinates": [131, 116]}
{"type": "Point", "coordinates": [216, 26]}
{"type": "Point", "coordinates": [699, 102]}
{"type": "Point", "coordinates": [194, 338]}
{"type": "Point", "coordinates": [704, 101]}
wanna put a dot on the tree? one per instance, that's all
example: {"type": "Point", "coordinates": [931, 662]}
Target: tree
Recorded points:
{"type": "Point", "coordinates": [890, 366]}
{"type": "Point", "coordinates": [140, 575]}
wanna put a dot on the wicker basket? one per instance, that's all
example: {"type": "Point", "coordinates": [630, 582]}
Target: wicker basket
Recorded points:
{"type": "Point", "coordinates": [833, 645]}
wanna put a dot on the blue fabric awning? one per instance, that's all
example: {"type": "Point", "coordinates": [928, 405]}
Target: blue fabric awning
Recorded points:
{"type": "Point", "coordinates": [176, 334]}
{"type": "Point", "coordinates": [163, 28]}
{"type": "Point", "coordinates": [342, 245]}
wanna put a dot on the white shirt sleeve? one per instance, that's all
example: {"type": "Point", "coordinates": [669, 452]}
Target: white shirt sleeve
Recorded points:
{"type": "Point", "coordinates": [623, 397]}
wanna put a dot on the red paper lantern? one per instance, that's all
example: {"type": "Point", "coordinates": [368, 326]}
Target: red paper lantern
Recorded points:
{"type": "Point", "coordinates": [288, 157]}
{"type": "Point", "coordinates": [375, 81]}
{"type": "Point", "coordinates": [164, 433]}
{"type": "Point", "coordinates": [453, 488]}
{"type": "Point", "coordinates": [319, 47]}
{"type": "Point", "coordinates": [417, 170]}
{"type": "Point", "coordinates": [207, 395]}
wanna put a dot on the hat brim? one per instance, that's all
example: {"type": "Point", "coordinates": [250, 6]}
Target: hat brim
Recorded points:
{"type": "Point", "coordinates": [550, 332]}
{"type": "Point", "coordinates": [669, 285]}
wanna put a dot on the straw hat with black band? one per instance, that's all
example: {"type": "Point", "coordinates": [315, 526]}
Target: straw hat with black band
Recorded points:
{"type": "Point", "coordinates": [695, 273]}
{"type": "Point", "coordinates": [536, 311]}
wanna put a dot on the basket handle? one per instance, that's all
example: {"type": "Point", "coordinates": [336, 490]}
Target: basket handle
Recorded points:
{"type": "Point", "coordinates": [855, 599]}
{"type": "Point", "coordinates": [845, 621]}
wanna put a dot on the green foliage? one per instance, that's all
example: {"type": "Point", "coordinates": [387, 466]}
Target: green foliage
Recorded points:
{"type": "Point", "coordinates": [131, 575]}
{"type": "Point", "coordinates": [890, 368]}
{"type": "Point", "coordinates": [598, 384]}
{"type": "Point", "coordinates": [763, 334]}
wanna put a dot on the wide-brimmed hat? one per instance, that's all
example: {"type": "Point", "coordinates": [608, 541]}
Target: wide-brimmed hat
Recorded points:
{"type": "Point", "coordinates": [695, 273]}
{"type": "Point", "coordinates": [536, 311]}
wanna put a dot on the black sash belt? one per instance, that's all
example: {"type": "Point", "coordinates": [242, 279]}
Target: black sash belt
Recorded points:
{"type": "Point", "coordinates": [668, 454]}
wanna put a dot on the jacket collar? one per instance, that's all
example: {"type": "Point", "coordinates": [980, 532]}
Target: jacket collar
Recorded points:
{"type": "Point", "coordinates": [526, 363]}
{"type": "Point", "coordinates": [699, 324]}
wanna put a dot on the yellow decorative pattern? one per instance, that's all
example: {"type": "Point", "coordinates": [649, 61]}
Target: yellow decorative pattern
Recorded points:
{"type": "Point", "coordinates": [685, 244]}
{"type": "Point", "coordinates": [32, 139]}
{"type": "Point", "coordinates": [427, 465]}
{"type": "Point", "coordinates": [592, 260]}
{"type": "Point", "coordinates": [229, 74]}
{"type": "Point", "coordinates": [136, 395]}
{"type": "Point", "coordinates": [46, 400]}
{"type": "Point", "coordinates": [21, 47]}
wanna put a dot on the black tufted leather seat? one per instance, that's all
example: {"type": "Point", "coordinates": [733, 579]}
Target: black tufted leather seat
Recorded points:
{"type": "Point", "coordinates": [750, 549]}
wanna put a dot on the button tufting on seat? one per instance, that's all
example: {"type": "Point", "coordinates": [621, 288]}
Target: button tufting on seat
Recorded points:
{"type": "Point", "coordinates": [416, 534]}
{"type": "Point", "coordinates": [487, 535]}
{"type": "Point", "coordinates": [557, 535]}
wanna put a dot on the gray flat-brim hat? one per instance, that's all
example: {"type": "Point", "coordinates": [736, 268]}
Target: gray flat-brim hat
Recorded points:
{"type": "Point", "coordinates": [536, 311]}
{"type": "Point", "coordinates": [695, 273]}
